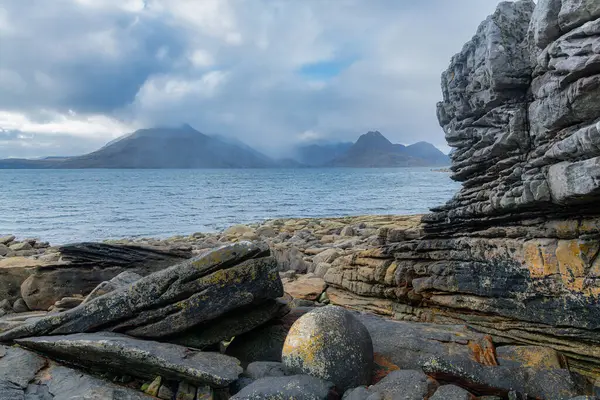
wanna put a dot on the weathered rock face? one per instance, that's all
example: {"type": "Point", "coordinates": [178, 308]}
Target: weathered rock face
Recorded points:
{"type": "Point", "coordinates": [515, 252]}
{"type": "Point", "coordinates": [172, 301]}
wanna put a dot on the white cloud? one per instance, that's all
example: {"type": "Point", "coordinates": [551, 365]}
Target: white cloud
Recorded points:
{"type": "Point", "coordinates": [98, 68]}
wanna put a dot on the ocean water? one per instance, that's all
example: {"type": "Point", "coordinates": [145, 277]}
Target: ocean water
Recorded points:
{"type": "Point", "coordinates": [63, 206]}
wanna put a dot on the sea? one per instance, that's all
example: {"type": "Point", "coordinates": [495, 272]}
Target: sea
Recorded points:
{"type": "Point", "coordinates": [65, 206]}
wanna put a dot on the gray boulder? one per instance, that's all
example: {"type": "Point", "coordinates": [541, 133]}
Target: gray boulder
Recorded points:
{"type": "Point", "coordinates": [286, 387]}
{"type": "Point", "coordinates": [173, 300]}
{"type": "Point", "coordinates": [332, 344]}
{"type": "Point", "coordinates": [142, 358]}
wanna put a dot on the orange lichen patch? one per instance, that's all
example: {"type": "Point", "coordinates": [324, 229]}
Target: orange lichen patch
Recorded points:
{"type": "Point", "coordinates": [382, 366]}
{"type": "Point", "coordinates": [540, 258]}
{"type": "Point", "coordinates": [303, 344]}
{"type": "Point", "coordinates": [390, 273]}
{"type": "Point", "coordinates": [484, 352]}
{"type": "Point", "coordinates": [572, 256]}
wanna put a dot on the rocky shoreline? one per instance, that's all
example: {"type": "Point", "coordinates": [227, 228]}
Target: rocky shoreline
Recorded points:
{"type": "Point", "coordinates": [494, 295]}
{"type": "Point", "coordinates": [48, 315]}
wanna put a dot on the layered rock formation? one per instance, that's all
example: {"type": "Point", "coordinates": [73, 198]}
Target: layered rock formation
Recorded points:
{"type": "Point", "coordinates": [515, 252]}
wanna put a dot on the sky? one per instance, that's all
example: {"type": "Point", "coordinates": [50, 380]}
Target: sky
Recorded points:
{"type": "Point", "coordinates": [75, 74]}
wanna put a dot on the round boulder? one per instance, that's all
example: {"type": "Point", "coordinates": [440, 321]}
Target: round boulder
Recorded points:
{"type": "Point", "coordinates": [332, 344]}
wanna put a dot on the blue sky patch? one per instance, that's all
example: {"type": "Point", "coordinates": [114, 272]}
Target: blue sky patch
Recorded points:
{"type": "Point", "coordinates": [325, 69]}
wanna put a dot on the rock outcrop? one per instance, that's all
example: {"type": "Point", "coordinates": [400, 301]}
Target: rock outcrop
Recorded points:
{"type": "Point", "coordinates": [515, 252]}
{"type": "Point", "coordinates": [170, 302]}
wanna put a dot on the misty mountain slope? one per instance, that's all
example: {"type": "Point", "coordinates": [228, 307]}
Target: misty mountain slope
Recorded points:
{"type": "Point", "coordinates": [373, 150]}
{"type": "Point", "coordinates": [320, 154]}
{"type": "Point", "coordinates": [182, 147]}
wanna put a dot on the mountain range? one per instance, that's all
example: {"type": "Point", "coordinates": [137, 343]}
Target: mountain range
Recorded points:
{"type": "Point", "coordinates": [185, 147]}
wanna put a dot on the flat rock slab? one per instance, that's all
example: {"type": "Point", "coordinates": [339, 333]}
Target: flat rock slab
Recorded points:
{"type": "Point", "coordinates": [141, 358]}
{"type": "Point", "coordinates": [172, 300]}
{"type": "Point", "coordinates": [409, 344]}
{"type": "Point", "coordinates": [305, 287]}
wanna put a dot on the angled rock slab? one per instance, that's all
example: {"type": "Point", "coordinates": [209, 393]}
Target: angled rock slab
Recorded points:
{"type": "Point", "coordinates": [173, 300]}
{"type": "Point", "coordinates": [141, 358]}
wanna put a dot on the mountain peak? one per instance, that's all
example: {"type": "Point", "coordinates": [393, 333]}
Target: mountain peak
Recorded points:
{"type": "Point", "coordinates": [373, 140]}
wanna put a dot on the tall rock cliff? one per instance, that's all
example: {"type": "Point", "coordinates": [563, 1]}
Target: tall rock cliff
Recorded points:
{"type": "Point", "coordinates": [515, 252]}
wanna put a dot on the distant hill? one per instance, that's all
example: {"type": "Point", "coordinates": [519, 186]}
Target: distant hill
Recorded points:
{"type": "Point", "coordinates": [316, 155]}
{"type": "Point", "coordinates": [182, 147]}
{"type": "Point", "coordinates": [374, 150]}
{"type": "Point", "coordinates": [185, 147]}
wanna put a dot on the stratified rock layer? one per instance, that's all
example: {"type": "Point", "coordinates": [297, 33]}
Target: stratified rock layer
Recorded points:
{"type": "Point", "coordinates": [172, 301]}
{"type": "Point", "coordinates": [515, 252]}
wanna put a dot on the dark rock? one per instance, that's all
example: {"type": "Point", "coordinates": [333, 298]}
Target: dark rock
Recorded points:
{"type": "Point", "coordinates": [263, 369]}
{"type": "Point", "coordinates": [19, 306]}
{"type": "Point", "coordinates": [231, 324]}
{"type": "Point", "coordinates": [173, 300]}
{"type": "Point", "coordinates": [451, 392]}
{"type": "Point", "coordinates": [551, 384]}
{"type": "Point", "coordinates": [146, 359]}
{"type": "Point", "coordinates": [287, 387]}
{"type": "Point", "coordinates": [265, 343]}
{"type": "Point", "coordinates": [165, 392]}
{"type": "Point", "coordinates": [239, 384]}
{"type": "Point", "coordinates": [330, 343]}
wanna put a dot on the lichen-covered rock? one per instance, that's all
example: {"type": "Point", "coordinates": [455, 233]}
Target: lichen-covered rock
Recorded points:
{"type": "Point", "coordinates": [307, 287]}
{"type": "Point", "coordinates": [403, 384]}
{"type": "Point", "coordinates": [173, 300]}
{"type": "Point", "coordinates": [286, 387]}
{"type": "Point", "coordinates": [332, 344]}
{"type": "Point", "coordinates": [142, 358]}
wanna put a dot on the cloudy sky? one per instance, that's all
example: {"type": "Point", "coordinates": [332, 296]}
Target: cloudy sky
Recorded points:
{"type": "Point", "coordinates": [75, 74]}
